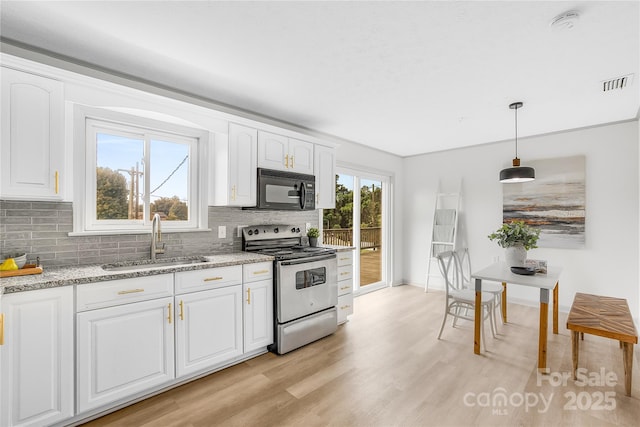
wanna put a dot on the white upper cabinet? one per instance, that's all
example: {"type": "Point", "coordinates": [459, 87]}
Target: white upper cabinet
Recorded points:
{"type": "Point", "coordinates": [235, 168]}
{"type": "Point", "coordinates": [325, 167]}
{"type": "Point", "coordinates": [32, 145]}
{"type": "Point", "coordinates": [36, 357]}
{"type": "Point", "coordinates": [282, 153]}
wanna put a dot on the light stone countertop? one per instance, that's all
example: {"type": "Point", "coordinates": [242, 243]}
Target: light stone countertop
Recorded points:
{"type": "Point", "coordinates": [67, 276]}
{"type": "Point", "coordinates": [339, 248]}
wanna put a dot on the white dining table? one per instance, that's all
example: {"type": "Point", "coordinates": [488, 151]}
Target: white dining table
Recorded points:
{"type": "Point", "coordinates": [501, 272]}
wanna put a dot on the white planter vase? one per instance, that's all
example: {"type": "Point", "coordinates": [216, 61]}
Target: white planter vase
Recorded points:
{"type": "Point", "coordinates": [516, 256]}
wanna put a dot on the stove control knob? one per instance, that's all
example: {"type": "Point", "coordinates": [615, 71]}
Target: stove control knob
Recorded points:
{"type": "Point", "coordinates": [255, 231]}
{"type": "Point", "coordinates": [250, 232]}
{"type": "Point", "coordinates": [298, 230]}
{"type": "Point", "coordinates": [275, 230]}
{"type": "Point", "coordinates": [293, 230]}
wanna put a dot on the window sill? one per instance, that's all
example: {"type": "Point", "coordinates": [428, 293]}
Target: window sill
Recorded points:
{"type": "Point", "coordinates": [117, 232]}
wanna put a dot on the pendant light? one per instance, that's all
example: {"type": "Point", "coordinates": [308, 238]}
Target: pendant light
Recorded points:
{"type": "Point", "coordinates": [517, 173]}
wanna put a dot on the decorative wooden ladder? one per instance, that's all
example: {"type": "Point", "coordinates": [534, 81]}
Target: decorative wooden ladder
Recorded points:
{"type": "Point", "coordinates": [445, 226]}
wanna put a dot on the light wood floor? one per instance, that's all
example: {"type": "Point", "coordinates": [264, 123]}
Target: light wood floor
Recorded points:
{"type": "Point", "coordinates": [385, 367]}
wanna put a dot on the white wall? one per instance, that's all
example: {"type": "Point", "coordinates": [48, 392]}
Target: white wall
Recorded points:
{"type": "Point", "coordinates": [368, 159]}
{"type": "Point", "coordinates": [608, 265]}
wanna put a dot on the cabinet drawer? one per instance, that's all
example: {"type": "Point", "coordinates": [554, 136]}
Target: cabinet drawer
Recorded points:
{"type": "Point", "coordinates": [345, 287]}
{"type": "Point", "coordinates": [257, 271]}
{"type": "Point", "coordinates": [124, 291]}
{"type": "Point", "coordinates": [345, 307]}
{"type": "Point", "coordinates": [210, 278]}
{"type": "Point", "coordinates": [345, 258]}
{"type": "Point", "coordinates": [345, 272]}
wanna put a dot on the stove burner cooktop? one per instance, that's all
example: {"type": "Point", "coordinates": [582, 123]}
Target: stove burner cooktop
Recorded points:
{"type": "Point", "coordinates": [281, 241]}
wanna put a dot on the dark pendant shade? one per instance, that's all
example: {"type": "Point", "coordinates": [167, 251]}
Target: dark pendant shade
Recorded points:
{"type": "Point", "coordinates": [517, 174]}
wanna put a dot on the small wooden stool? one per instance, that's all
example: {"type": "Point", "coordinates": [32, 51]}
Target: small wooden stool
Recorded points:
{"type": "Point", "coordinates": [606, 317]}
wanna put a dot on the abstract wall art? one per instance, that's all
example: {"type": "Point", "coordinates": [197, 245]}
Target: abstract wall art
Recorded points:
{"type": "Point", "coordinates": [554, 203]}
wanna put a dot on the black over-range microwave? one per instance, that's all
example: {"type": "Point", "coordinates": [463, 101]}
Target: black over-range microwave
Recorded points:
{"type": "Point", "coordinates": [285, 190]}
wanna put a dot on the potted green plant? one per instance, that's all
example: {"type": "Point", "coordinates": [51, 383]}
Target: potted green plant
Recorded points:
{"type": "Point", "coordinates": [313, 235]}
{"type": "Point", "coordinates": [517, 238]}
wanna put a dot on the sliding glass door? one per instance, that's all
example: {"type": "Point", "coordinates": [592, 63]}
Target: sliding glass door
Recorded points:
{"type": "Point", "coordinates": [360, 220]}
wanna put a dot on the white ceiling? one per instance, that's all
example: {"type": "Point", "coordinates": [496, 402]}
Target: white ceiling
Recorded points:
{"type": "Point", "coordinates": [403, 77]}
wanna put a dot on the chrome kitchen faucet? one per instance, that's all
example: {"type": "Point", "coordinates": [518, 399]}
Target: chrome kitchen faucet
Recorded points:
{"type": "Point", "coordinates": [157, 247]}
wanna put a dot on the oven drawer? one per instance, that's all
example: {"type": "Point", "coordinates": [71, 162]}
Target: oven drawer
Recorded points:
{"type": "Point", "coordinates": [345, 307]}
{"type": "Point", "coordinates": [257, 271]}
{"type": "Point", "coordinates": [345, 258]}
{"type": "Point", "coordinates": [345, 272]}
{"type": "Point", "coordinates": [209, 278]}
{"type": "Point", "coordinates": [91, 296]}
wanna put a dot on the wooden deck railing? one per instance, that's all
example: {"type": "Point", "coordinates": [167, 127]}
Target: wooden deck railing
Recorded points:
{"type": "Point", "coordinates": [370, 237]}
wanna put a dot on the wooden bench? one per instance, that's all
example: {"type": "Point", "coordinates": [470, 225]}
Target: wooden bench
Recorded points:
{"type": "Point", "coordinates": [606, 317]}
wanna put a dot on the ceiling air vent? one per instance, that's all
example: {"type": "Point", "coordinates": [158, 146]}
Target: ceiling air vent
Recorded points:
{"type": "Point", "coordinates": [616, 83]}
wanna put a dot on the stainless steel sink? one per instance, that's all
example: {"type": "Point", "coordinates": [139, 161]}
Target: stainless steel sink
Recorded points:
{"type": "Point", "coordinates": [147, 264]}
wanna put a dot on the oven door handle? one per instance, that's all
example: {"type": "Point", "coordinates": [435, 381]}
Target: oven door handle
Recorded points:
{"type": "Point", "coordinates": [307, 260]}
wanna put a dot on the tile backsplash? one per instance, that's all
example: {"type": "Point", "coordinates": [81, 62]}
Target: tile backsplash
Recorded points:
{"type": "Point", "coordinates": [41, 230]}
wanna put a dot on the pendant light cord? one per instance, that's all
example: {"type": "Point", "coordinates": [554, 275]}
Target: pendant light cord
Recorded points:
{"type": "Point", "coordinates": [516, 132]}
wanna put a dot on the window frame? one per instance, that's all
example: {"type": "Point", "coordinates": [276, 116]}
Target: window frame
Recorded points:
{"type": "Point", "coordinates": [88, 122]}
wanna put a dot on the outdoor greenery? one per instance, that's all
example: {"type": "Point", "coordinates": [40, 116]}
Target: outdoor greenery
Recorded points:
{"type": "Point", "coordinates": [342, 215]}
{"type": "Point", "coordinates": [516, 233]}
{"type": "Point", "coordinates": [313, 232]}
{"type": "Point", "coordinates": [112, 199]}
{"type": "Point", "coordinates": [172, 208]}
{"type": "Point", "coordinates": [111, 196]}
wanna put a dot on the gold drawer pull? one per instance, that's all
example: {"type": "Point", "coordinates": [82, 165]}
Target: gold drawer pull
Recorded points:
{"type": "Point", "coordinates": [130, 291]}
{"type": "Point", "coordinates": [344, 287]}
{"type": "Point", "coordinates": [261, 272]}
{"type": "Point", "coordinates": [345, 307]}
{"type": "Point", "coordinates": [344, 259]}
{"type": "Point", "coordinates": [345, 273]}
{"type": "Point", "coordinates": [211, 279]}
{"type": "Point", "coordinates": [1, 328]}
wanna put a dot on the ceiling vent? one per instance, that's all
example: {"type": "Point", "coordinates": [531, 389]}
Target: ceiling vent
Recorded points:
{"type": "Point", "coordinates": [616, 83]}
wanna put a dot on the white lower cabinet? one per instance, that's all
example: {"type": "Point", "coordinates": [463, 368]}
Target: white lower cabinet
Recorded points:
{"type": "Point", "coordinates": [258, 314]}
{"type": "Point", "coordinates": [345, 285]}
{"type": "Point", "coordinates": [123, 350]}
{"type": "Point", "coordinates": [257, 291]}
{"type": "Point", "coordinates": [208, 328]}
{"type": "Point", "coordinates": [36, 357]}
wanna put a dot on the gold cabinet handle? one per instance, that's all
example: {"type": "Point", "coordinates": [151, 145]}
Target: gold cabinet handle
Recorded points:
{"type": "Point", "coordinates": [344, 288]}
{"type": "Point", "coordinates": [169, 317]}
{"type": "Point", "coordinates": [181, 310]}
{"type": "Point", "coordinates": [291, 162]}
{"type": "Point", "coordinates": [344, 273]}
{"type": "Point", "coordinates": [211, 279]}
{"type": "Point", "coordinates": [286, 161]}
{"type": "Point", "coordinates": [344, 259]}
{"type": "Point", "coordinates": [130, 291]}
{"type": "Point", "coordinates": [57, 182]}
{"type": "Point", "coordinates": [248, 295]}
{"type": "Point", "coordinates": [344, 307]}
{"type": "Point", "coordinates": [261, 272]}
{"type": "Point", "coordinates": [233, 193]}
{"type": "Point", "coordinates": [1, 328]}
